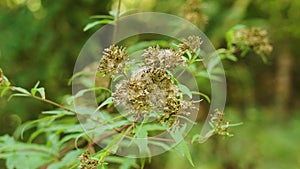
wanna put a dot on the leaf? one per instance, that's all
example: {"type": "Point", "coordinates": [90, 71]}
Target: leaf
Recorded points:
{"type": "Point", "coordinates": [185, 90]}
{"type": "Point", "coordinates": [57, 112]}
{"type": "Point", "coordinates": [182, 147]}
{"type": "Point", "coordinates": [202, 94]}
{"type": "Point", "coordinates": [40, 90]}
{"type": "Point", "coordinates": [143, 161]}
{"type": "Point", "coordinates": [4, 91]}
{"type": "Point", "coordinates": [106, 102]}
{"type": "Point", "coordinates": [67, 161]}
{"type": "Point", "coordinates": [141, 141]}
{"type": "Point", "coordinates": [35, 134]}
{"type": "Point", "coordinates": [102, 17]}
{"type": "Point", "coordinates": [126, 163]}
{"type": "Point", "coordinates": [231, 57]}
{"type": "Point", "coordinates": [154, 127]}
{"type": "Point", "coordinates": [95, 23]}
{"type": "Point", "coordinates": [21, 90]}
{"type": "Point", "coordinates": [81, 92]}
{"type": "Point", "coordinates": [27, 160]}
{"type": "Point", "coordinates": [196, 137]}
{"type": "Point", "coordinates": [17, 95]}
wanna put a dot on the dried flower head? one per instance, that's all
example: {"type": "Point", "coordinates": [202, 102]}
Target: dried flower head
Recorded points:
{"type": "Point", "coordinates": [256, 38]}
{"type": "Point", "coordinates": [192, 43]}
{"type": "Point", "coordinates": [112, 60]}
{"type": "Point", "coordinates": [87, 162]}
{"type": "Point", "coordinates": [148, 89]}
{"type": "Point", "coordinates": [193, 11]}
{"type": "Point", "coordinates": [163, 58]}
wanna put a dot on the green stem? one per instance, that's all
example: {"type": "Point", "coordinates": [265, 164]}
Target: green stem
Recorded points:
{"type": "Point", "coordinates": [43, 100]}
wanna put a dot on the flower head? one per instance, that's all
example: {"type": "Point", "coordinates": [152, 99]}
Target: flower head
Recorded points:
{"type": "Point", "coordinates": [87, 162]}
{"type": "Point", "coordinates": [112, 60]}
{"type": "Point", "coordinates": [163, 58]}
{"type": "Point", "coordinates": [256, 38]}
{"type": "Point", "coordinates": [192, 43]}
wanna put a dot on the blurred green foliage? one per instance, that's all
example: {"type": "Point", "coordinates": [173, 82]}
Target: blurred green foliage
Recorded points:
{"type": "Point", "coordinates": [40, 41]}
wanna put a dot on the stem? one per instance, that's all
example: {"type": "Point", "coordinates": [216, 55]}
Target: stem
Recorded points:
{"type": "Point", "coordinates": [119, 9]}
{"type": "Point", "coordinates": [43, 100]}
{"type": "Point", "coordinates": [116, 20]}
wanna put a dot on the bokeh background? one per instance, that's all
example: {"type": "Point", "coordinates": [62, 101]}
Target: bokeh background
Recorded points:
{"type": "Point", "coordinates": [41, 39]}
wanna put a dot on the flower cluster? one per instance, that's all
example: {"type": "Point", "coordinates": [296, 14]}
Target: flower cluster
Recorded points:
{"type": "Point", "coordinates": [192, 43]}
{"type": "Point", "coordinates": [151, 87]}
{"type": "Point", "coordinates": [148, 89]}
{"type": "Point", "coordinates": [87, 162]}
{"type": "Point", "coordinates": [112, 60]}
{"type": "Point", "coordinates": [255, 38]}
{"type": "Point", "coordinates": [193, 11]}
{"type": "Point", "coordinates": [163, 58]}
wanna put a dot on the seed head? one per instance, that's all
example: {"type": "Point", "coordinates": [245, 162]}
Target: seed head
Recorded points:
{"type": "Point", "coordinates": [112, 60]}
{"type": "Point", "coordinates": [192, 43]}
{"type": "Point", "coordinates": [87, 162]}
{"type": "Point", "coordinates": [256, 38]}
{"type": "Point", "coordinates": [193, 11]}
{"type": "Point", "coordinates": [163, 58]}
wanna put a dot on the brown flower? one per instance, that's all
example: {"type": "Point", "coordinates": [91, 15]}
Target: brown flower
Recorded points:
{"type": "Point", "coordinates": [255, 38]}
{"type": "Point", "coordinates": [193, 11]}
{"type": "Point", "coordinates": [87, 162]}
{"type": "Point", "coordinates": [112, 60]}
{"type": "Point", "coordinates": [192, 43]}
{"type": "Point", "coordinates": [163, 58]}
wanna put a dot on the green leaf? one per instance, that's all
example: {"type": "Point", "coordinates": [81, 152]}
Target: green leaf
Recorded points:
{"type": "Point", "coordinates": [82, 92]}
{"type": "Point", "coordinates": [203, 95]}
{"type": "Point", "coordinates": [143, 161]}
{"type": "Point", "coordinates": [106, 102]}
{"type": "Point", "coordinates": [95, 23]}
{"type": "Point", "coordinates": [57, 112]}
{"type": "Point", "coordinates": [178, 135]}
{"type": "Point", "coordinates": [185, 90]}
{"type": "Point", "coordinates": [154, 127]}
{"type": "Point", "coordinates": [17, 95]}
{"type": "Point", "coordinates": [4, 91]}
{"type": "Point", "coordinates": [196, 137]}
{"type": "Point", "coordinates": [102, 17]}
{"type": "Point", "coordinates": [21, 90]}
{"type": "Point", "coordinates": [67, 161]}
{"type": "Point", "coordinates": [141, 140]}
{"type": "Point", "coordinates": [40, 90]}
{"type": "Point", "coordinates": [231, 57]}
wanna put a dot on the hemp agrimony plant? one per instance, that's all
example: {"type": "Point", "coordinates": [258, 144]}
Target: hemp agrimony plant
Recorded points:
{"type": "Point", "coordinates": [147, 92]}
